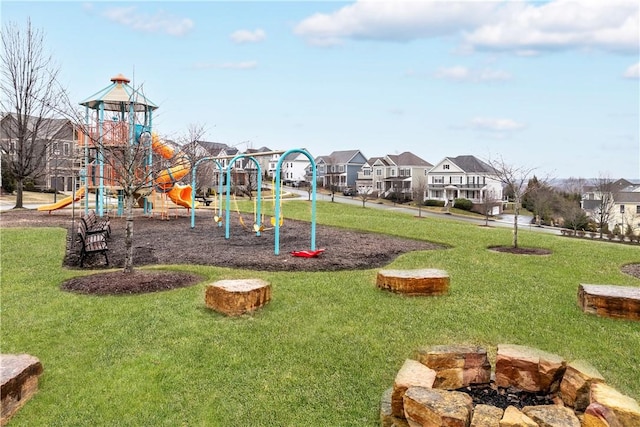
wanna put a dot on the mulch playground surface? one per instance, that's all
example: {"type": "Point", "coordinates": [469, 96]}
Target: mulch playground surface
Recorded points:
{"type": "Point", "coordinates": [172, 241]}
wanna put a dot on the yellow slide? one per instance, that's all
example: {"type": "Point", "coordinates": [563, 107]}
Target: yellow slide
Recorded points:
{"type": "Point", "coordinates": [63, 202]}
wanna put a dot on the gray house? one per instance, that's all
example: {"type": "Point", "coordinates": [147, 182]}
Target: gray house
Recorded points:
{"type": "Point", "coordinates": [339, 169]}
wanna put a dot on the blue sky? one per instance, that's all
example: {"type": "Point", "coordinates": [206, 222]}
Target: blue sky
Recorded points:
{"type": "Point", "coordinates": [547, 85]}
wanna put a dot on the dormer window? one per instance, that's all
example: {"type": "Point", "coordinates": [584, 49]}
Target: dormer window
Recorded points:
{"type": "Point", "coordinates": [445, 167]}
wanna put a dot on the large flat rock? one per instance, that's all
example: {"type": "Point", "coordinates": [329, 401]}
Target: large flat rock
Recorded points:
{"type": "Point", "coordinates": [610, 301]}
{"type": "Point", "coordinates": [426, 281]}
{"type": "Point", "coordinates": [19, 376]}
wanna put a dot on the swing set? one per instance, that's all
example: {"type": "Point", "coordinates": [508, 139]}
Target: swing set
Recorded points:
{"type": "Point", "coordinates": [258, 216]}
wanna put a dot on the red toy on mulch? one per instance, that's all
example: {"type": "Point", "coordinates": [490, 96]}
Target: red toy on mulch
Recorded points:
{"type": "Point", "coordinates": [307, 254]}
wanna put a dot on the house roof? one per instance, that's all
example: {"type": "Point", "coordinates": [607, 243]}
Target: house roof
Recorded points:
{"type": "Point", "coordinates": [408, 159]}
{"type": "Point", "coordinates": [339, 157]}
{"type": "Point", "coordinates": [372, 160]}
{"type": "Point", "coordinates": [213, 147]}
{"type": "Point", "coordinates": [470, 163]}
{"type": "Point", "coordinates": [627, 197]}
{"type": "Point", "coordinates": [48, 128]}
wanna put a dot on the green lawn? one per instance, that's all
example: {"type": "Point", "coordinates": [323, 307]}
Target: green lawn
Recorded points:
{"type": "Point", "coordinates": [325, 348]}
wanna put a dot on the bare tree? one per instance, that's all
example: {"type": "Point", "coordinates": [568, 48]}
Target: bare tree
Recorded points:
{"type": "Point", "coordinates": [605, 193]}
{"type": "Point", "coordinates": [419, 190]}
{"type": "Point", "coordinates": [487, 202]}
{"type": "Point", "coordinates": [364, 194]}
{"type": "Point", "coordinates": [515, 179]}
{"type": "Point", "coordinates": [193, 152]}
{"type": "Point", "coordinates": [31, 94]}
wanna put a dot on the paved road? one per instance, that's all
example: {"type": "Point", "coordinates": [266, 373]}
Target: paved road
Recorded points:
{"type": "Point", "coordinates": [505, 221]}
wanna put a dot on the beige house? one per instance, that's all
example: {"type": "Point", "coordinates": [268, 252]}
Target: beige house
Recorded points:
{"type": "Point", "coordinates": [399, 174]}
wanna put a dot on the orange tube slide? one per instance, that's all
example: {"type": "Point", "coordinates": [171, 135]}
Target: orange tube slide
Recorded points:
{"type": "Point", "coordinates": [166, 179]}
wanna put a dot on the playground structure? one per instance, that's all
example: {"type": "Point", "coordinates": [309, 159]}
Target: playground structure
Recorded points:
{"type": "Point", "coordinates": [130, 124]}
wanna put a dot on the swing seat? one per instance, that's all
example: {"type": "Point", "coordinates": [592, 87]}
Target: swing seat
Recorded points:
{"type": "Point", "coordinates": [273, 221]}
{"type": "Point", "coordinates": [307, 254]}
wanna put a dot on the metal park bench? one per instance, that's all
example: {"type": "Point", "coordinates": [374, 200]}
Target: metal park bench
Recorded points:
{"type": "Point", "coordinates": [91, 243]}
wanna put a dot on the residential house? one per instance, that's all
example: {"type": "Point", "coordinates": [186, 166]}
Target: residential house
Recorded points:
{"type": "Point", "coordinates": [464, 177]}
{"type": "Point", "coordinates": [339, 169]}
{"type": "Point", "coordinates": [366, 181]}
{"type": "Point", "coordinates": [395, 174]}
{"type": "Point", "coordinates": [622, 205]}
{"type": "Point", "coordinates": [54, 150]}
{"type": "Point", "coordinates": [295, 168]}
{"type": "Point", "coordinates": [626, 209]}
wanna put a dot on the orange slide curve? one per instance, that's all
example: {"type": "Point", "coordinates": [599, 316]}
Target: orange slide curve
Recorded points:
{"type": "Point", "coordinates": [166, 180]}
{"type": "Point", "coordinates": [63, 202]}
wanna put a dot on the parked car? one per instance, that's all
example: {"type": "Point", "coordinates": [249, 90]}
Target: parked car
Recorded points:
{"type": "Point", "coordinates": [349, 191]}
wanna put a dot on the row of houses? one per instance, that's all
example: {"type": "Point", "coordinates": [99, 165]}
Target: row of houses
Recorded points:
{"type": "Point", "coordinates": [406, 176]}
{"type": "Point", "coordinates": [403, 176]}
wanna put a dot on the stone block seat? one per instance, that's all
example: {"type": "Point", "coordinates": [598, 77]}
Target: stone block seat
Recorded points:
{"type": "Point", "coordinates": [427, 281]}
{"type": "Point", "coordinates": [19, 374]}
{"type": "Point", "coordinates": [610, 301]}
{"type": "Point", "coordinates": [239, 296]}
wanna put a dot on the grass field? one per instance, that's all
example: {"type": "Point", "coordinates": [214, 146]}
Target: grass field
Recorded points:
{"type": "Point", "coordinates": [322, 351]}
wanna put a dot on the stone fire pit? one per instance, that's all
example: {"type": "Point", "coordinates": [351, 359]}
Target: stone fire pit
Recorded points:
{"type": "Point", "coordinates": [537, 388]}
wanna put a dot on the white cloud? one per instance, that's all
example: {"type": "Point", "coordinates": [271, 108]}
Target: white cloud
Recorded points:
{"type": "Point", "coordinates": [460, 73]}
{"type": "Point", "coordinates": [633, 72]}
{"type": "Point", "coordinates": [523, 28]}
{"type": "Point", "coordinates": [562, 24]}
{"type": "Point", "coordinates": [160, 22]}
{"type": "Point", "coordinates": [247, 36]}
{"type": "Point", "coordinates": [393, 20]}
{"type": "Point", "coordinates": [495, 125]}
{"type": "Point", "coordinates": [244, 65]}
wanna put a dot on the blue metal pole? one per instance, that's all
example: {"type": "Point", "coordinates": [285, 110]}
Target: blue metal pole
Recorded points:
{"type": "Point", "coordinates": [86, 161]}
{"type": "Point", "coordinates": [278, 196]}
{"type": "Point", "coordinates": [193, 186]}
{"type": "Point", "coordinates": [100, 160]}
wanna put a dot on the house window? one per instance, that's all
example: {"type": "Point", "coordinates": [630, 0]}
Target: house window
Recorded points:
{"type": "Point", "coordinates": [393, 172]}
{"type": "Point", "coordinates": [366, 172]}
{"type": "Point", "coordinates": [65, 149]}
{"type": "Point", "coordinates": [378, 172]}
{"type": "Point", "coordinates": [621, 208]}
{"type": "Point", "coordinates": [426, 172]}
{"type": "Point", "coordinates": [637, 209]}
{"type": "Point", "coordinates": [445, 167]}
{"type": "Point", "coordinates": [437, 180]}
{"type": "Point", "coordinates": [341, 168]}
{"type": "Point", "coordinates": [321, 169]}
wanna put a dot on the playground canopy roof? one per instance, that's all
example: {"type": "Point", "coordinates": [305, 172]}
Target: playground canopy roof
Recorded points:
{"type": "Point", "coordinates": [118, 95]}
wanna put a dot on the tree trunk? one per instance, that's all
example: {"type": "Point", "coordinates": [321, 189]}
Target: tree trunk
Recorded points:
{"type": "Point", "coordinates": [19, 195]}
{"type": "Point", "coordinates": [128, 236]}
{"type": "Point", "coordinates": [516, 212]}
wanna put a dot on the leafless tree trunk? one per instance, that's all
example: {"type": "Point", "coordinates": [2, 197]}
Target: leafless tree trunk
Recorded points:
{"type": "Point", "coordinates": [603, 186]}
{"type": "Point", "coordinates": [193, 153]}
{"type": "Point", "coordinates": [419, 190]}
{"type": "Point", "coordinates": [516, 178]}
{"type": "Point", "coordinates": [31, 94]}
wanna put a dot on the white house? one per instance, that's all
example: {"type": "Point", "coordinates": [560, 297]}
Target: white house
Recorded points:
{"type": "Point", "coordinates": [463, 177]}
{"type": "Point", "coordinates": [294, 168]}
